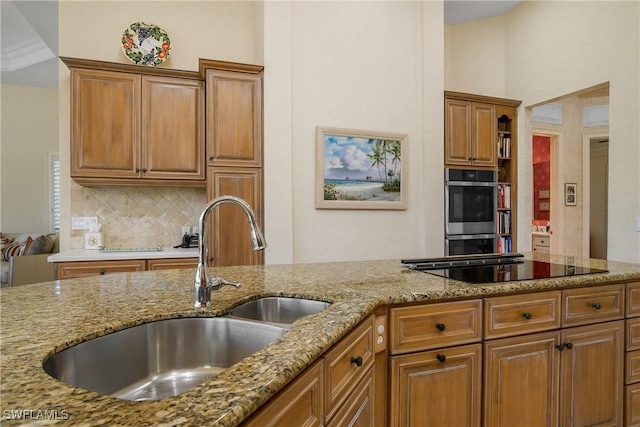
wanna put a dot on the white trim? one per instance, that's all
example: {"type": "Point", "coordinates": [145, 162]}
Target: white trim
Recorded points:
{"type": "Point", "coordinates": [586, 190]}
{"type": "Point", "coordinates": [25, 53]}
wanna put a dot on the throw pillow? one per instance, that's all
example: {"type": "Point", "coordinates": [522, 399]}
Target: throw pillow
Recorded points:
{"type": "Point", "coordinates": [41, 245]}
{"type": "Point", "coordinates": [16, 249]}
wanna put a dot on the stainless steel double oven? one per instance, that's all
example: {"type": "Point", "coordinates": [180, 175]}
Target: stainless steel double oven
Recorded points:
{"type": "Point", "coordinates": [470, 211]}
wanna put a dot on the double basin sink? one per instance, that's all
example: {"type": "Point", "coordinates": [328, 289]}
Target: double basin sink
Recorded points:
{"type": "Point", "coordinates": [164, 358]}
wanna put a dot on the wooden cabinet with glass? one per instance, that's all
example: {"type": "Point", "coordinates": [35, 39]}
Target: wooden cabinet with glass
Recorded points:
{"type": "Point", "coordinates": [132, 125]}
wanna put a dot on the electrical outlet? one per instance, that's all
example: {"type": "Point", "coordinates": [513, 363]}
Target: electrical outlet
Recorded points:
{"type": "Point", "coordinates": [83, 222]}
{"type": "Point", "coordinates": [186, 230]}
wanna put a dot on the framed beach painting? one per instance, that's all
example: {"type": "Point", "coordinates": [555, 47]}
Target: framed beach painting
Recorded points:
{"type": "Point", "coordinates": [358, 169]}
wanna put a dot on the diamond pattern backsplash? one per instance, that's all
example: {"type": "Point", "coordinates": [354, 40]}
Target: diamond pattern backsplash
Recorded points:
{"type": "Point", "coordinates": [137, 216]}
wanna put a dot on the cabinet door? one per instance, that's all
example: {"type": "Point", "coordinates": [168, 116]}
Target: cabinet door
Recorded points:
{"type": "Point", "coordinates": [234, 118]}
{"type": "Point", "coordinates": [70, 270]}
{"type": "Point", "coordinates": [521, 381]}
{"type": "Point", "coordinates": [592, 375]}
{"type": "Point", "coordinates": [484, 150]}
{"type": "Point", "coordinates": [229, 239]}
{"type": "Point", "coordinates": [105, 130]}
{"type": "Point", "coordinates": [441, 386]}
{"type": "Point", "coordinates": [299, 404]}
{"type": "Point", "coordinates": [457, 132]}
{"type": "Point", "coordinates": [172, 128]}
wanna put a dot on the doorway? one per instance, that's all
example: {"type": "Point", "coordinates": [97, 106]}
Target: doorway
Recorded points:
{"type": "Point", "coordinates": [596, 170]}
{"type": "Point", "coordinates": [548, 215]}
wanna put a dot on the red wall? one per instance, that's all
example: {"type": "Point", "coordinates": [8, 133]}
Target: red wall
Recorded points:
{"type": "Point", "coordinates": [541, 174]}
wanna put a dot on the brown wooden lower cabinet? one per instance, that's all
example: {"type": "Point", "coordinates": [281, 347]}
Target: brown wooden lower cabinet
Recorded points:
{"type": "Point", "coordinates": [337, 390]}
{"type": "Point", "coordinates": [301, 403]}
{"type": "Point", "coordinates": [439, 388]}
{"type": "Point", "coordinates": [75, 269]}
{"type": "Point", "coordinates": [521, 378]}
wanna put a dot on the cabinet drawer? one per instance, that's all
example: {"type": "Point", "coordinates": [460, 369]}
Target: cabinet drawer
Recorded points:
{"type": "Point", "coordinates": [346, 363]}
{"type": "Point", "coordinates": [69, 270]}
{"type": "Point", "coordinates": [632, 405]}
{"type": "Point", "coordinates": [633, 299]}
{"type": "Point", "coordinates": [633, 334]}
{"type": "Point", "coordinates": [520, 314]}
{"type": "Point", "coordinates": [171, 263]}
{"type": "Point", "coordinates": [593, 304]}
{"type": "Point", "coordinates": [359, 409]}
{"type": "Point", "coordinates": [428, 326]}
{"type": "Point", "coordinates": [632, 367]}
{"type": "Point", "coordinates": [541, 241]}
{"type": "Point", "coordinates": [543, 249]}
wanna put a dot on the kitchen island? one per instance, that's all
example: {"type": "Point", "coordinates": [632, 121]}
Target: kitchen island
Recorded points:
{"type": "Point", "coordinates": [42, 319]}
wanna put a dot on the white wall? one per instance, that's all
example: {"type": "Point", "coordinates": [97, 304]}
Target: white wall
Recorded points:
{"type": "Point", "coordinates": [373, 66]}
{"type": "Point", "coordinates": [475, 55]}
{"type": "Point", "coordinates": [554, 48]}
{"type": "Point", "coordinates": [29, 133]}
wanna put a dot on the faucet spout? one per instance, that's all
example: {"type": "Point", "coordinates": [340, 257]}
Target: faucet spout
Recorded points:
{"type": "Point", "coordinates": [204, 283]}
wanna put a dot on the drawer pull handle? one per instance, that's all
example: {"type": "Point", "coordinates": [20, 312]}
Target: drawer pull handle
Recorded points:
{"type": "Point", "coordinates": [357, 360]}
{"type": "Point", "coordinates": [527, 316]}
{"type": "Point", "coordinates": [440, 326]}
{"type": "Point", "coordinates": [596, 305]}
{"type": "Point", "coordinates": [441, 358]}
{"type": "Point", "coordinates": [102, 271]}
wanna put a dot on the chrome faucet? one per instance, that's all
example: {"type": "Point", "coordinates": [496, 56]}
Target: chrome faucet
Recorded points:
{"type": "Point", "coordinates": [204, 283]}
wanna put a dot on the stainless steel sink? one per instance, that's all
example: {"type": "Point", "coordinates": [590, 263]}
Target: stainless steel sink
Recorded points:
{"type": "Point", "coordinates": [281, 310]}
{"type": "Point", "coordinates": [161, 359]}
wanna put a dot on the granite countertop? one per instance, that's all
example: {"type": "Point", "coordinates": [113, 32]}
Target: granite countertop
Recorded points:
{"type": "Point", "coordinates": [41, 319]}
{"type": "Point", "coordinates": [96, 255]}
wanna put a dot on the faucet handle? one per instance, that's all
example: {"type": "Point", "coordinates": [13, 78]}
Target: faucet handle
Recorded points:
{"type": "Point", "coordinates": [218, 282]}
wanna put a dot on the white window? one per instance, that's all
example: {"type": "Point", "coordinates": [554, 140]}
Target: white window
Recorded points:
{"type": "Point", "coordinates": [54, 191]}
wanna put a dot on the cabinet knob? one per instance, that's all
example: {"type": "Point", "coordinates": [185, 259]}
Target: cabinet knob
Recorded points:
{"type": "Point", "coordinates": [144, 170]}
{"type": "Point", "coordinates": [567, 345]}
{"type": "Point", "coordinates": [527, 316]}
{"type": "Point", "coordinates": [211, 157]}
{"type": "Point", "coordinates": [357, 360]}
{"type": "Point", "coordinates": [440, 326]}
{"type": "Point", "coordinates": [596, 305]}
{"type": "Point", "coordinates": [102, 271]}
{"type": "Point", "coordinates": [441, 358]}
{"type": "Point", "coordinates": [137, 170]}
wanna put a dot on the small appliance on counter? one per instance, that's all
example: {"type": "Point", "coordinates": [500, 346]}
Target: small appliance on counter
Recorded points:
{"type": "Point", "coordinates": [492, 268]}
{"type": "Point", "coordinates": [189, 241]}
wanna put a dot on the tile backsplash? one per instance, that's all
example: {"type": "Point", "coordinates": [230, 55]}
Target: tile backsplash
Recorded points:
{"type": "Point", "coordinates": [137, 216]}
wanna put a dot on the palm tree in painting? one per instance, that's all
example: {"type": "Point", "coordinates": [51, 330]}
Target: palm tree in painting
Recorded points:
{"type": "Point", "coordinates": [378, 156]}
{"type": "Point", "coordinates": [395, 151]}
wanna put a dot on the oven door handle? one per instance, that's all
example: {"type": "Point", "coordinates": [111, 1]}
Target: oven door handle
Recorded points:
{"type": "Point", "coordinates": [470, 236]}
{"type": "Point", "coordinates": [471, 184]}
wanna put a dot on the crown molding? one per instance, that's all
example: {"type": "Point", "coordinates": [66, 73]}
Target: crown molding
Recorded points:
{"type": "Point", "coordinates": [25, 53]}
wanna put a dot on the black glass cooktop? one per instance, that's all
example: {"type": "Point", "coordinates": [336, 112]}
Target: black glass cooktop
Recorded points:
{"type": "Point", "coordinates": [500, 269]}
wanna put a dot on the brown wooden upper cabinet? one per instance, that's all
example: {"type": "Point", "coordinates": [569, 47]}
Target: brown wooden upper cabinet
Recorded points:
{"type": "Point", "coordinates": [134, 126]}
{"type": "Point", "coordinates": [470, 134]}
{"type": "Point", "coordinates": [234, 157]}
{"type": "Point", "coordinates": [234, 115]}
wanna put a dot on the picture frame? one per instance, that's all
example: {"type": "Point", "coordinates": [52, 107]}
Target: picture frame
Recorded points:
{"type": "Point", "coordinates": [360, 169]}
{"type": "Point", "coordinates": [570, 194]}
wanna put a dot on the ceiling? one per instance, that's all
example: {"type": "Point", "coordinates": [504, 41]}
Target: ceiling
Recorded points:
{"type": "Point", "coordinates": [29, 35]}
